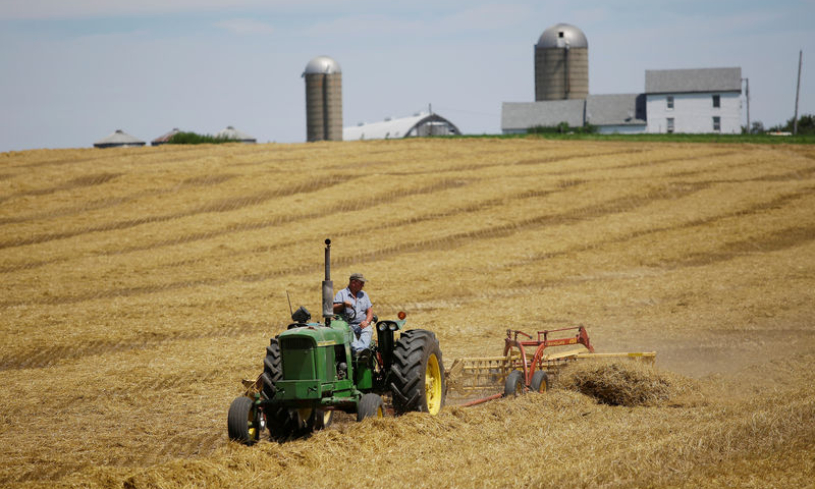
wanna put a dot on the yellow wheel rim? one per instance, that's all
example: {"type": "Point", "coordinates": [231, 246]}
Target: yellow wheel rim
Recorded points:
{"type": "Point", "coordinates": [305, 414]}
{"type": "Point", "coordinates": [379, 412]}
{"type": "Point", "coordinates": [432, 385]}
{"type": "Point", "coordinates": [253, 431]}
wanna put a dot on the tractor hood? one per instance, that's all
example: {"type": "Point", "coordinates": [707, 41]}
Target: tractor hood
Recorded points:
{"type": "Point", "coordinates": [320, 334]}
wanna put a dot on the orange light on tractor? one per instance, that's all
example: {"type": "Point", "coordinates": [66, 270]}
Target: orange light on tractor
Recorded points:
{"type": "Point", "coordinates": [401, 315]}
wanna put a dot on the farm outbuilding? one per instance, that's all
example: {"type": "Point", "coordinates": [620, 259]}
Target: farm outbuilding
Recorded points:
{"type": "Point", "coordinates": [421, 124]}
{"type": "Point", "coordinates": [617, 113]}
{"type": "Point", "coordinates": [165, 138]}
{"type": "Point", "coordinates": [232, 133]}
{"type": "Point", "coordinates": [118, 139]}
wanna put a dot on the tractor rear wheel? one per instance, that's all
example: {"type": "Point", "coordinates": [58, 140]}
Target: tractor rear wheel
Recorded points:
{"type": "Point", "coordinates": [370, 406]}
{"type": "Point", "coordinates": [280, 421]}
{"type": "Point", "coordinates": [244, 421]}
{"type": "Point", "coordinates": [540, 381]}
{"type": "Point", "coordinates": [272, 369]}
{"type": "Point", "coordinates": [417, 373]}
{"type": "Point", "coordinates": [514, 385]}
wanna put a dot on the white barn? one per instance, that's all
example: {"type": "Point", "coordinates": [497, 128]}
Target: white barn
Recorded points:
{"type": "Point", "coordinates": [421, 124]}
{"type": "Point", "coordinates": [704, 100]}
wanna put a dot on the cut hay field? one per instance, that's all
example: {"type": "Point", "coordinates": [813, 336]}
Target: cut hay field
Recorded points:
{"type": "Point", "coordinates": [140, 285]}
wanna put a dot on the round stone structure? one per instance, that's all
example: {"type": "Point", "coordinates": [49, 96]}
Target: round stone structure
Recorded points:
{"type": "Point", "coordinates": [561, 64]}
{"type": "Point", "coordinates": [323, 100]}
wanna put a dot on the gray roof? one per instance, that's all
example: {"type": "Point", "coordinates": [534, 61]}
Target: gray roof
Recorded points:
{"type": "Point", "coordinates": [118, 138]}
{"type": "Point", "coordinates": [693, 80]}
{"type": "Point", "coordinates": [550, 113]}
{"type": "Point", "coordinates": [616, 110]}
{"type": "Point", "coordinates": [561, 35]}
{"type": "Point", "coordinates": [322, 65]}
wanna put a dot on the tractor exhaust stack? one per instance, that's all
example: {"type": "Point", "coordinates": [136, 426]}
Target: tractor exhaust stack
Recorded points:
{"type": "Point", "coordinates": [328, 286]}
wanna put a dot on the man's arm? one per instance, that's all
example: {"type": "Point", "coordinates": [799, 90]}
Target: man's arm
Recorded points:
{"type": "Point", "coordinates": [369, 316]}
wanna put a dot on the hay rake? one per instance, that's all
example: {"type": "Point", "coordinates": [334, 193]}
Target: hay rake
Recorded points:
{"type": "Point", "coordinates": [526, 364]}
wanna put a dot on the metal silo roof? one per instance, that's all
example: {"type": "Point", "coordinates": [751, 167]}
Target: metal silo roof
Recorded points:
{"type": "Point", "coordinates": [232, 133]}
{"type": "Point", "coordinates": [164, 138]}
{"type": "Point", "coordinates": [322, 65]}
{"type": "Point", "coordinates": [118, 138]}
{"type": "Point", "coordinates": [561, 35]}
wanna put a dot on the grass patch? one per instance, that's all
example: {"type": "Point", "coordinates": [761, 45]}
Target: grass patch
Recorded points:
{"type": "Point", "coordinates": [655, 138]}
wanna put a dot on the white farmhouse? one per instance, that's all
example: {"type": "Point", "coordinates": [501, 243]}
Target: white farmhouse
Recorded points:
{"type": "Point", "coordinates": [706, 100]}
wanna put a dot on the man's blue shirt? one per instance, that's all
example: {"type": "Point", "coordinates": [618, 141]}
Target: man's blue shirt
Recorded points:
{"type": "Point", "coordinates": [361, 304]}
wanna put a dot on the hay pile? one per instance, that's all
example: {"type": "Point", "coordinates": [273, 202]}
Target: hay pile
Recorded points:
{"type": "Point", "coordinates": [620, 383]}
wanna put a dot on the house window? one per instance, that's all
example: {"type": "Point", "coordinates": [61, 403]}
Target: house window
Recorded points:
{"type": "Point", "coordinates": [717, 101]}
{"type": "Point", "coordinates": [670, 101]}
{"type": "Point", "coordinates": [717, 124]}
{"type": "Point", "coordinates": [670, 125]}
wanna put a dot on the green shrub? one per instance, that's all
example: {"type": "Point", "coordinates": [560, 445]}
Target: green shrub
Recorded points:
{"type": "Point", "coordinates": [193, 138]}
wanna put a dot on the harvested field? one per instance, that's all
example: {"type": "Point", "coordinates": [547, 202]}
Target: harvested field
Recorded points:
{"type": "Point", "coordinates": [140, 285]}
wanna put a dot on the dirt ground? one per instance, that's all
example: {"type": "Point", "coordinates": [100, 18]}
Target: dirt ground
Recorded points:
{"type": "Point", "coordinates": [140, 285]}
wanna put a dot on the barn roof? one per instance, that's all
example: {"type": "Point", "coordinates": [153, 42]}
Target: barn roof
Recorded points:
{"type": "Point", "coordinates": [118, 138]}
{"type": "Point", "coordinates": [393, 128]}
{"type": "Point", "coordinates": [693, 80]}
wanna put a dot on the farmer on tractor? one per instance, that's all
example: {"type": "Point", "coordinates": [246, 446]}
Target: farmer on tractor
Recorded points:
{"type": "Point", "coordinates": [355, 305]}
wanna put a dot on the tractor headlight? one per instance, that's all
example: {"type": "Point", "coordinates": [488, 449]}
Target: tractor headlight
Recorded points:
{"type": "Point", "coordinates": [382, 326]}
{"type": "Point", "coordinates": [392, 326]}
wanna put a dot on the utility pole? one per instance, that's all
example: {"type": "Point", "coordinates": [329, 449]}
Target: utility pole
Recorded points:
{"type": "Point", "coordinates": [797, 93]}
{"type": "Point", "coordinates": [747, 95]}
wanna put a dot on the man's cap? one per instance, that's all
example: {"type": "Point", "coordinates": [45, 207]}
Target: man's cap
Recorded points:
{"type": "Point", "coordinates": [358, 276]}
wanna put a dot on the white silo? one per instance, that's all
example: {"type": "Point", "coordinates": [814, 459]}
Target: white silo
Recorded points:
{"type": "Point", "coordinates": [562, 64]}
{"type": "Point", "coordinates": [323, 100]}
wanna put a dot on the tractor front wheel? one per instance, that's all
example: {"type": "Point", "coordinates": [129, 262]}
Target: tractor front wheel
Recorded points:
{"type": "Point", "coordinates": [370, 406]}
{"type": "Point", "coordinates": [244, 421]}
{"type": "Point", "coordinates": [417, 373]}
{"type": "Point", "coordinates": [321, 419]}
{"type": "Point", "coordinates": [514, 385]}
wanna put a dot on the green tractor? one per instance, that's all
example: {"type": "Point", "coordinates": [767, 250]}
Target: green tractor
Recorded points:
{"type": "Point", "coordinates": [310, 372]}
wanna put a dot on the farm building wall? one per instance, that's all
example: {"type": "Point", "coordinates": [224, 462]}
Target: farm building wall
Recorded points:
{"type": "Point", "coordinates": [621, 129]}
{"type": "Point", "coordinates": [694, 112]}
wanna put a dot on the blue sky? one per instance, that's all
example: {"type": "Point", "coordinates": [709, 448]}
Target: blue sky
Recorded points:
{"type": "Point", "coordinates": [71, 72]}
